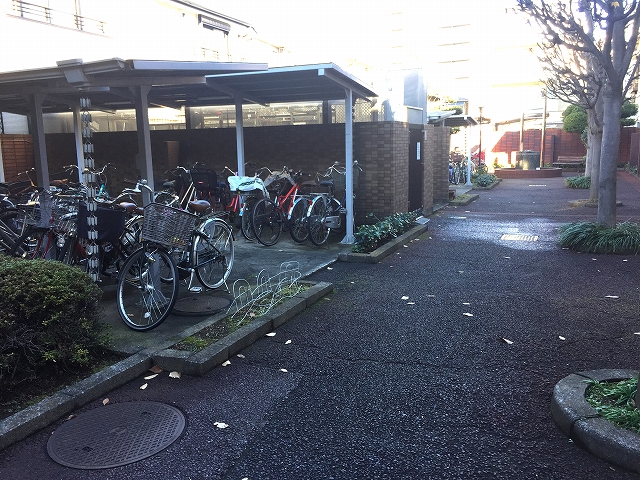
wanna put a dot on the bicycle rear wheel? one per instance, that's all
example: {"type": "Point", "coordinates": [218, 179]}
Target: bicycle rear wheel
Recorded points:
{"type": "Point", "coordinates": [147, 288]}
{"type": "Point", "coordinates": [318, 230]}
{"type": "Point", "coordinates": [246, 214]}
{"type": "Point", "coordinates": [267, 221]}
{"type": "Point", "coordinates": [213, 253]}
{"type": "Point", "coordinates": [298, 221]}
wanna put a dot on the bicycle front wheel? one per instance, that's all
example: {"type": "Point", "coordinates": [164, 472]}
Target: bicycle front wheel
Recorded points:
{"type": "Point", "coordinates": [318, 230]}
{"type": "Point", "coordinates": [213, 253]}
{"type": "Point", "coordinates": [147, 288]}
{"type": "Point", "coordinates": [247, 210]}
{"type": "Point", "coordinates": [35, 243]}
{"type": "Point", "coordinates": [267, 221]}
{"type": "Point", "coordinates": [298, 221]}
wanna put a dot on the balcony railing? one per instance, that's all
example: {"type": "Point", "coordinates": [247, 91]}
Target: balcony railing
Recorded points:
{"type": "Point", "coordinates": [48, 15]}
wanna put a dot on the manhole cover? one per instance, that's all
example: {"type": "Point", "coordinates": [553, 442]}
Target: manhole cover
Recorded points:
{"type": "Point", "coordinates": [520, 238]}
{"type": "Point", "coordinates": [201, 305]}
{"type": "Point", "coordinates": [115, 435]}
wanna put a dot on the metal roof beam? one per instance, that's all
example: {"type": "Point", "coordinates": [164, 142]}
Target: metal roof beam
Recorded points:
{"type": "Point", "coordinates": [234, 93]}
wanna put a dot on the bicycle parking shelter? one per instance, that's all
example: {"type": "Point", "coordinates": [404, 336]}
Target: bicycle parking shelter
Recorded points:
{"type": "Point", "coordinates": [116, 84]}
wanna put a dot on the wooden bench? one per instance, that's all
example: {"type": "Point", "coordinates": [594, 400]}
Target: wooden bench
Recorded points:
{"type": "Point", "coordinates": [570, 162]}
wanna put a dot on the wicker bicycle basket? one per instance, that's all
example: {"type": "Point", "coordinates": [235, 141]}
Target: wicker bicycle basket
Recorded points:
{"type": "Point", "coordinates": [39, 213]}
{"type": "Point", "coordinates": [167, 226]}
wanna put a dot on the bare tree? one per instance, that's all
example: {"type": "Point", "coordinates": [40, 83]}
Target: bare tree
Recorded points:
{"type": "Point", "coordinates": [574, 78]}
{"type": "Point", "coordinates": [606, 32]}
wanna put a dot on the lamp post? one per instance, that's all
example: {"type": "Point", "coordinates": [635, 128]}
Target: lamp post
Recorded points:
{"type": "Point", "coordinates": [480, 133]}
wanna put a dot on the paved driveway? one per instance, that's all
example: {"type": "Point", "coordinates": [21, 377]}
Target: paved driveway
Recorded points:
{"type": "Point", "coordinates": [404, 372]}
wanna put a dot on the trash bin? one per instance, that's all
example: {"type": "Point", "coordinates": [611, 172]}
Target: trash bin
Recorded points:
{"type": "Point", "coordinates": [528, 160]}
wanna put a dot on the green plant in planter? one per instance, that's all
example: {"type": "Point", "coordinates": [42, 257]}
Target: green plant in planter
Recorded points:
{"type": "Point", "coordinates": [578, 182]}
{"type": "Point", "coordinates": [614, 401]}
{"type": "Point", "coordinates": [591, 237]}
{"type": "Point", "coordinates": [370, 237]}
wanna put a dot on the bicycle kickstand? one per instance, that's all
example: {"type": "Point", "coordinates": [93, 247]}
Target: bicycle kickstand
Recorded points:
{"type": "Point", "coordinates": [193, 288]}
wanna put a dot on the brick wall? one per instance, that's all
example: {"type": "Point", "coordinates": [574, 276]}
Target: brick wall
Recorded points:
{"type": "Point", "coordinates": [437, 145]}
{"type": "Point", "coordinates": [381, 148]}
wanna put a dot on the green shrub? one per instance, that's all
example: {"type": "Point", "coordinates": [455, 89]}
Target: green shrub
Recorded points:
{"type": "Point", "coordinates": [578, 182]}
{"type": "Point", "coordinates": [593, 237]}
{"type": "Point", "coordinates": [370, 237]}
{"type": "Point", "coordinates": [484, 179]}
{"type": "Point", "coordinates": [49, 320]}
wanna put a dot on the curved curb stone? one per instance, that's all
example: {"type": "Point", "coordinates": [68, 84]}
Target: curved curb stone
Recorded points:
{"type": "Point", "coordinates": [580, 421]}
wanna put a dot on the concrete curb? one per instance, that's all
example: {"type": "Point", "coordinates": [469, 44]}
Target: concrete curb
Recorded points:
{"type": "Point", "coordinates": [580, 421]}
{"type": "Point", "coordinates": [38, 416]}
{"type": "Point", "coordinates": [385, 250]}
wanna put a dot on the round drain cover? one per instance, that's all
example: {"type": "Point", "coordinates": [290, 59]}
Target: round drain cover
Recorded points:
{"type": "Point", "coordinates": [115, 435]}
{"type": "Point", "coordinates": [201, 305]}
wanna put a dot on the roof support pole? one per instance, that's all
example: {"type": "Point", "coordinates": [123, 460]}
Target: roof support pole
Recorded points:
{"type": "Point", "coordinates": [77, 133]}
{"type": "Point", "coordinates": [348, 159]}
{"type": "Point", "coordinates": [39, 144]}
{"type": "Point", "coordinates": [240, 135]}
{"type": "Point", "coordinates": [144, 161]}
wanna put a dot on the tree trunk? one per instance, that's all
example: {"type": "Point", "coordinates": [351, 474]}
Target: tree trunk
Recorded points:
{"type": "Point", "coordinates": [609, 156]}
{"type": "Point", "coordinates": [595, 143]}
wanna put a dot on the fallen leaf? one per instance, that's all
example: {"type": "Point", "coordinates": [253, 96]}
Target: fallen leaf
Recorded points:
{"type": "Point", "coordinates": [271, 334]}
{"type": "Point", "coordinates": [611, 296]}
{"type": "Point", "coordinates": [404, 298]}
{"type": "Point", "coordinates": [431, 296]}
{"type": "Point", "coordinates": [142, 387]}
{"type": "Point", "coordinates": [284, 370]}
{"type": "Point", "coordinates": [105, 401]}
{"type": "Point", "coordinates": [636, 333]}
{"type": "Point", "coordinates": [226, 364]}
{"type": "Point", "coordinates": [467, 314]}
{"type": "Point", "coordinates": [561, 337]}
{"type": "Point", "coordinates": [174, 375]}
{"type": "Point", "coordinates": [411, 303]}
{"type": "Point", "coordinates": [508, 342]}
{"type": "Point", "coordinates": [625, 260]}
{"type": "Point", "coordinates": [466, 303]}
{"type": "Point", "coordinates": [460, 271]}
{"type": "Point", "coordinates": [594, 259]}
{"type": "Point", "coordinates": [329, 268]}
{"type": "Point", "coordinates": [405, 246]}
{"type": "Point", "coordinates": [155, 369]}
{"type": "Point", "coordinates": [240, 355]}
{"type": "Point", "coordinates": [220, 424]}
{"type": "Point", "coordinates": [151, 376]}
{"type": "Point", "coordinates": [251, 314]}
{"type": "Point", "coordinates": [70, 417]}
{"type": "Point", "coordinates": [287, 342]}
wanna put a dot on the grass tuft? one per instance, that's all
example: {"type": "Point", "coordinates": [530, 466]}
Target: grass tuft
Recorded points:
{"type": "Point", "coordinates": [591, 237]}
{"type": "Point", "coordinates": [578, 182]}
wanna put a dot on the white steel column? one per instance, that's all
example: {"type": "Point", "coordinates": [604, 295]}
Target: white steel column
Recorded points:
{"type": "Point", "coordinates": [467, 134]}
{"type": "Point", "coordinates": [348, 159]}
{"type": "Point", "coordinates": [1, 164]}
{"type": "Point", "coordinates": [240, 135]}
{"type": "Point", "coordinates": [144, 161]}
{"type": "Point", "coordinates": [77, 132]}
{"type": "Point", "coordinates": [39, 144]}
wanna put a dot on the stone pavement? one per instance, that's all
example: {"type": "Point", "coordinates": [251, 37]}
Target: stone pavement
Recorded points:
{"type": "Point", "coordinates": [437, 363]}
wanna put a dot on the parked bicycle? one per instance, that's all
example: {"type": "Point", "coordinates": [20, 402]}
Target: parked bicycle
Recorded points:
{"type": "Point", "coordinates": [246, 192]}
{"type": "Point", "coordinates": [270, 217]}
{"type": "Point", "coordinates": [327, 214]}
{"type": "Point", "coordinates": [148, 283]}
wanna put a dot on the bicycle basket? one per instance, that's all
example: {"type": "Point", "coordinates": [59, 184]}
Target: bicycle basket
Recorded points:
{"type": "Point", "coordinates": [38, 213]}
{"type": "Point", "coordinates": [110, 223]}
{"type": "Point", "coordinates": [167, 226]}
{"type": "Point", "coordinates": [204, 179]}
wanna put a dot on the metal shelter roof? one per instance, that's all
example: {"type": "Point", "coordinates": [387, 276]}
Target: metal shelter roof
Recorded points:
{"type": "Point", "coordinates": [450, 119]}
{"type": "Point", "coordinates": [173, 84]}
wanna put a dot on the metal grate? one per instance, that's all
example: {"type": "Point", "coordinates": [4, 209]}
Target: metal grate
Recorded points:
{"type": "Point", "coordinates": [115, 435]}
{"type": "Point", "coordinates": [519, 238]}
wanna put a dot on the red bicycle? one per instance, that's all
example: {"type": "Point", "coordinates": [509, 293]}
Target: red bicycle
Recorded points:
{"type": "Point", "coordinates": [288, 209]}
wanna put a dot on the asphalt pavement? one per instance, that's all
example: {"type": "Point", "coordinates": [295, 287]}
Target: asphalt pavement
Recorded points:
{"type": "Point", "coordinates": [437, 363]}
